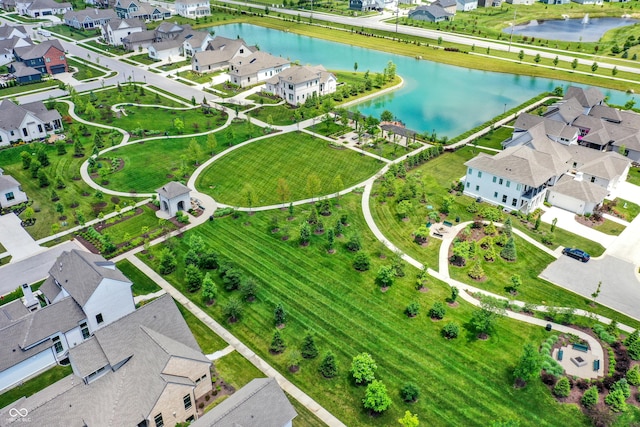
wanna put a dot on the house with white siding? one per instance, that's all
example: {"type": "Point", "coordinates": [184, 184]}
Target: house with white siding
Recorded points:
{"type": "Point", "coordinates": [193, 8]}
{"type": "Point", "coordinates": [10, 191]}
{"type": "Point", "coordinates": [88, 19]}
{"type": "Point", "coordinates": [255, 68]}
{"type": "Point", "coordinates": [296, 84]}
{"type": "Point", "coordinates": [218, 53]}
{"type": "Point", "coordinates": [83, 293]}
{"type": "Point", "coordinates": [38, 8]}
{"type": "Point", "coordinates": [114, 32]}
{"type": "Point", "coordinates": [26, 122]}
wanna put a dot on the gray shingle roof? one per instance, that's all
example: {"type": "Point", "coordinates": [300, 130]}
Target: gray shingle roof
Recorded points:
{"type": "Point", "coordinates": [48, 4]}
{"type": "Point", "coordinates": [38, 50]}
{"type": "Point", "coordinates": [7, 182]}
{"type": "Point", "coordinates": [21, 70]}
{"type": "Point", "coordinates": [257, 61]}
{"type": "Point", "coordinates": [301, 74]}
{"type": "Point", "coordinates": [12, 312]}
{"type": "Point", "coordinates": [568, 110]}
{"type": "Point", "coordinates": [589, 97]}
{"type": "Point", "coordinates": [260, 403]}
{"type": "Point", "coordinates": [6, 30]}
{"type": "Point", "coordinates": [80, 273]}
{"type": "Point", "coordinates": [142, 36]}
{"type": "Point", "coordinates": [89, 15]}
{"type": "Point", "coordinates": [87, 357]}
{"type": "Point", "coordinates": [172, 189]}
{"type": "Point", "coordinates": [580, 189]}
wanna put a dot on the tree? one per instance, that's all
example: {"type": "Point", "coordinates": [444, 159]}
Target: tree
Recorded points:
{"type": "Point", "coordinates": [574, 64]}
{"type": "Point", "coordinates": [233, 309]}
{"type": "Point", "coordinates": [249, 289]}
{"type": "Point", "coordinates": [590, 397]}
{"type": "Point", "coordinates": [521, 55]}
{"type": "Point", "coordinates": [232, 279]}
{"type": "Point", "coordinates": [410, 392]}
{"type": "Point", "coordinates": [249, 195]}
{"type": "Point", "coordinates": [614, 71]}
{"type": "Point", "coordinates": [305, 233]}
{"type": "Point", "coordinates": [212, 143]}
{"type": "Point", "coordinates": [509, 251]}
{"type": "Point", "coordinates": [42, 157]}
{"type": "Point", "coordinates": [60, 210]}
{"type": "Point", "coordinates": [331, 238]}
{"type": "Point", "coordinates": [355, 67]}
{"type": "Point", "coordinates": [43, 179]}
{"type": "Point", "coordinates": [308, 350]}
{"type": "Point", "coordinates": [616, 400]}
{"type": "Point", "coordinates": [193, 277]}
{"type": "Point", "coordinates": [279, 315]}
{"type": "Point", "coordinates": [594, 67]}
{"type": "Point", "coordinates": [450, 330]}
{"type": "Point", "coordinates": [78, 148]}
{"type": "Point", "coordinates": [596, 293]}
{"type": "Point", "coordinates": [376, 397]}
{"type": "Point", "coordinates": [195, 152]}
{"type": "Point", "coordinates": [361, 262]}
{"type": "Point", "coordinates": [409, 420]}
{"type": "Point", "coordinates": [516, 282]}
{"type": "Point", "coordinates": [454, 294]}
{"type": "Point", "coordinates": [485, 318]}
{"type": "Point", "coordinates": [437, 310]}
{"type": "Point", "coordinates": [313, 185]}
{"type": "Point", "coordinates": [34, 167]}
{"type": "Point", "coordinates": [447, 201]}
{"type": "Point", "coordinates": [633, 375]}
{"type": "Point", "coordinates": [338, 228]}
{"type": "Point", "coordinates": [386, 116]}
{"type": "Point", "coordinates": [209, 290]}
{"type": "Point", "coordinates": [623, 386]}
{"type": "Point", "coordinates": [178, 124]}
{"type": "Point", "coordinates": [412, 309]}
{"type": "Point", "coordinates": [507, 228]}
{"type": "Point", "coordinates": [168, 261]}
{"type": "Point", "coordinates": [329, 366]}
{"type": "Point", "coordinates": [477, 272]}
{"type": "Point", "coordinates": [190, 258]}
{"type": "Point", "coordinates": [422, 278]}
{"type": "Point", "coordinates": [277, 343]}
{"type": "Point", "coordinates": [537, 58]}
{"type": "Point", "coordinates": [562, 387]}
{"type": "Point", "coordinates": [363, 368]}
{"type": "Point", "coordinates": [337, 185]}
{"type": "Point", "coordinates": [26, 159]}
{"type": "Point", "coordinates": [555, 62]}
{"type": "Point", "coordinates": [386, 276]}
{"type": "Point", "coordinates": [403, 208]}
{"type": "Point", "coordinates": [284, 193]}
{"type": "Point", "coordinates": [529, 364]}
{"type": "Point", "coordinates": [354, 243]}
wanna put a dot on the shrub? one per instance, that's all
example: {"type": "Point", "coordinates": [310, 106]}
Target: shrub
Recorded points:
{"type": "Point", "coordinates": [376, 397]}
{"type": "Point", "coordinates": [412, 309]}
{"type": "Point", "coordinates": [450, 330]}
{"type": "Point", "coordinates": [509, 251]}
{"type": "Point", "coordinates": [590, 398]}
{"type": "Point", "coordinates": [616, 400]}
{"type": "Point", "coordinates": [437, 311]}
{"type": "Point", "coordinates": [329, 367]}
{"type": "Point", "coordinates": [562, 388]}
{"type": "Point", "coordinates": [363, 368]}
{"type": "Point", "coordinates": [634, 350]}
{"type": "Point", "coordinates": [309, 349]}
{"type": "Point", "coordinates": [410, 392]}
{"type": "Point", "coordinates": [168, 262]}
{"type": "Point", "coordinates": [633, 375]}
{"type": "Point", "coordinates": [623, 386]}
{"type": "Point", "coordinates": [354, 244]}
{"type": "Point", "coordinates": [633, 337]}
{"type": "Point", "coordinates": [277, 343]}
{"type": "Point", "coordinates": [361, 262]}
{"type": "Point", "coordinates": [193, 277]}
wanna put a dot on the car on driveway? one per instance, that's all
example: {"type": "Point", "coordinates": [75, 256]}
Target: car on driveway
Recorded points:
{"type": "Point", "coordinates": [578, 254]}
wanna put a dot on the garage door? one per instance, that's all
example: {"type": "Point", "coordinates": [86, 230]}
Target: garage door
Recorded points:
{"type": "Point", "coordinates": [57, 69]}
{"type": "Point", "coordinates": [565, 202]}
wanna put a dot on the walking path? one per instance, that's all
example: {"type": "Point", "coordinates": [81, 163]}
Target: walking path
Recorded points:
{"type": "Point", "coordinates": [147, 297]}
{"type": "Point", "coordinates": [220, 353]}
{"type": "Point", "coordinates": [256, 360]}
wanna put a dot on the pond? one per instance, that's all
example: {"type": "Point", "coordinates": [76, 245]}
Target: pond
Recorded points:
{"type": "Point", "coordinates": [444, 98]}
{"type": "Point", "coordinates": [572, 30]}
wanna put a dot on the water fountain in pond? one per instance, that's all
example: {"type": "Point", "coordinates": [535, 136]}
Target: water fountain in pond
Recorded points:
{"type": "Point", "coordinates": [585, 20]}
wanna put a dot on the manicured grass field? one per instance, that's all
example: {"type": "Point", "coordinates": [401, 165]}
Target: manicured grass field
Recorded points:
{"type": "Point", "coordinates": [84, 72]}
{"type": "Point", "coordinates": [143, 58]}
{"type": "Point", "coordinates": [348, 314]}
{"type": "Point", "coordinates": [292, 156]}
{"type": "Point", "coordinates": [562, 237]}
{"type": "Point", "coordinates": [633, 176]}
{"type": "Point", "coordinates": [35, 384]}
{"type": "Point", "coordinates": [627, 209]}
{"type": "Point", "coordinates": [7, 91]}
{"type": "Point", "coordinates": [236, 370]}
{"type": "Point", "coordinates": [160, 120]}
{"type": "Point", "coordinates": [493, 139]}
{"type": "Point", "coordinates": [151, 164]}
{"type": "Point", "coordinates": [73, 33]}
{"type": "Point", "coordinates": [208, 341]}
{"type": "Point", "coordinates": [142, 284]}
{"type": "Point", "coordinates": [330, 128]}
{"type": "Point", "coordinates": [113, 50]}
{"type": "Point", "coordinates": [610, 227]}
{"type": "Point", "coordinates": [195, 77]}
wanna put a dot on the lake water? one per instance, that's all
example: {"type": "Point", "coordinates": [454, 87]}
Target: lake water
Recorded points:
{"type": "Point", "coordinates": [573, 30]}
{"type": "Point", "coordinates": [444, 98]}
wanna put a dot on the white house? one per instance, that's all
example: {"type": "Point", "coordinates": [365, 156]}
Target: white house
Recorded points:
{"type": "Point", "coordinates": [466, 5]}
{"type": "Point", "coordinates": [116, 30]}
{"type": "Point", "coordinates": [196, 41]}
{"type": "Point", "coordinates": [83, 293]}
{"type": "Point", "coordinates": [8, 31]}
{"type": "Point", "coordinates": [88, 19]}
{"type": "Point", "coordinates": [37, 8]}
{"type": "Point", "coordinates": [296, 84]}
{"type": "Point", "coordinates": [574, 194]}
{"type": "Point", "coordinates": [174, 197]}
{"type": "Point", "coordinates": [193, 8]}
{"type": "Point", "coordinates": [255, 68]}
{"type": "Point", "coordinates": [218, 53]}
{"type": "Point", "coordinates": [26, 122]}
{"type": "Point", "coordinates": [10, 191]}
{"type": "Point", "coordinates": [8, 45]}
{"type": "Point", "coordinates": [165, 50]}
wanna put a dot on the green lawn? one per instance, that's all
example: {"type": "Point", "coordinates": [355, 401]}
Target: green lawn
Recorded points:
{"type": "Point", "coordinates": [260, 98]}
{"type": "Point", "coordinates": [610, 227]}
{"type": "Point", "coordinates": [494, 138]}
{"type": "Point", "coordinates": [305, 417]}
{"type": "Point", "coordinates": [388, 150]}
{"type": "Point", "coordinates": [208, 340]}
{"type": "Point", "coordinates": [113, 50]}
{"type": "Point", "coordinates": [8, 91]}
{"type": "Point", "coordinates": [195, 77]}
{"type": "Point", "coordinates": [142, 284]}
{"type": "Point", "coordinates": [34, 385]}
{"type": "Point", "coordinates": [292, 156]}
{"type": "Point", "coordinates": [234, 369]}
{"type": "Point", "coordinates": [628, 210]}
{"type": "Point", "coordinates": [157, 121]}
{"type": "Point", "coordinates": [348, 314]}
{"type": "Point", "coordinates": [17, 294]}
{"type": "Point", "coordinates": [133, 225]}
{"type": "Point", "coordinates": [151, 164]}
{"type": "Point", "coordinates": [562, 237]}
{"type": "Point", "coordinates": [84, 72]}
{"type": "Point", "coordinates": [143, 58]}
{"type": "Point", "coordinates": [72, 33]}
{"type": "Point", "coordinates": [330, 128]}
{"type": "Point", "coordinates": [174, 66]}
{"type": "Point", "coordinates": [67, 167]}
{"type": "Point", "coordinates": [633, 176]}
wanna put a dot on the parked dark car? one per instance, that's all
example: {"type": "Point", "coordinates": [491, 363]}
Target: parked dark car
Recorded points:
{"type": "Point", "coordinates": [578, 254]}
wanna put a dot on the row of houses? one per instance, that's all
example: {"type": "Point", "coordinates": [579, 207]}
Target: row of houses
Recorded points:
{"type": "Point", "coordinates": [130, 367]}
{"type": "Point", "coordinates": [569, 157]}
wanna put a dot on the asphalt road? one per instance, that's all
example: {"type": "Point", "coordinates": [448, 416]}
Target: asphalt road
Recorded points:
{"type": "Point", "coordinates": [620, 287]}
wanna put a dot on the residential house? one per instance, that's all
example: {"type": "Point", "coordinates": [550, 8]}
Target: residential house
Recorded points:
{"type": "Point", "coordinates": [145, 369]}
{"type": "Point", "coordinates": [166, 49]}
{"type": "Point", "coordinates": [8, 5]}
{"type": "Point", "coordinates": [491, 3]}
{"type": "Point", "coordinates": [26, 122]}
{"type": "Point", "coordinates": [255, 68]}
{"type": "Point", "coordinates": [115, 31]}
{"type": "Point", "coordinates": [366, 5]}
{"type": "Point", "coordinates": [450, 6]}
{"type": "Point", "coordinates": [129, 9]}
{"type": "Point", "coordinates": [9, 31]}
{"type": "Point", "coordinates": [218, 53]}
{"type": "Point", "coordinates": [88, 19]}
{"type": "Point", "coordinates": [523, 2]}
{"type": "Point", "coordinates": [8, 45]}
{"type": "Point", "coordinates": [432, 13]}
{"type": "Point", "coordinates": [296, 84]}
{"type": "Point", "coordinates": [555, 1]}
{"type": "Point", "coordinates": [83, 293]}
{"type": "Point", "coordinates": [48, 57]}
{"type": "Point", "coordinates": [195, 41]}
{"type": "Point", "coordinates": [10, 191]}
{"type": "Point", "coordinates": [139, 41]}
{"type": "Point", "coordinates": [596, 2]}
{"type": "Point", "coordinates": [24, 74]}
{"type": "Point", "coordinates": [193, 8]}
{"type": "Point", "coordinates": [466, 5]}
{"type": "Point", "coordinates": [171, 31]}
{"type": "Point", "coordinates": [38, 8]}
{"type": "Point", "coordinates": [174, 197]}
{"type": "Point", "coordinates": [261, 399]}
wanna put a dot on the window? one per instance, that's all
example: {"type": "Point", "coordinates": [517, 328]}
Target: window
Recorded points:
{"type": "Point", "coordinates": [47, 59]}
{"type": "Point", "coordinates": [519, 187]}
{"type": "Point", "coordinates": [593, 179]}
{"type": "Point", "coordinates": [495, 194]}
{"type": "Point", "coordinates": [514, 202]}
{"type": "Point", "coordinates": [85, 330]}
{"type": "Point", "coordinates": [187, 402]}
{"type": "Point", "coordinates": [508, 183]}
{"type": "Point", "coordinates": [25, 132]}
{"type": "Point", "coordinates": [241, 50]}
{"type": "Point", "coordinates": [62, 58]}
{"type": "Point", "coordinates": [9, 196]}
{"type": "Point", "coordinates": [495, 179]}
{"type": "Point", "coordinates": [500, 181]}
{"type": "Point", "coordinates": [504, 198]}
{"type": "Point", "coordinates": [158, 420]}
{"type": "Point", "coordinates": [468, 184]}
{"type": "Point", "coordinates": [470, 171]}
{"type": "Point", "coordinates": [99, 318]}
{"type": "Point", "coordinates": [479, 174]}
{"type": "Point", "coordinates": [57, 344]}
{"type": "Point", "coordinates": [575, 164]}
{"type": "Point", "coordinates": [477, 188]}
{"type": "Point", "coordinates": [40, 128]}
{"type": "Point", "coordinates": [12, 133]}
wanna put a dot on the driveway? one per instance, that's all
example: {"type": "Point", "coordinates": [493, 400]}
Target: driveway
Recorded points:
{"type": "Point", "coordinates": [15, 239]}
{"type": "Point", "coordinates": [620, 287]}
{"type": "Point", "coordinates": [32, 269]}
{"type": "Point", "coordinates": [567, 221]}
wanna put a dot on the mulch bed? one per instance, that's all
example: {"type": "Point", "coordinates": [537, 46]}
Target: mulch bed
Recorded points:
{"type": "Point", "coordinates": [87, 245]}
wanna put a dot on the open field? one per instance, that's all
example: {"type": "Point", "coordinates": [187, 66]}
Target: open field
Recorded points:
{"type": "Point", "coordinates": [262, 163]}
{"type": "Point", "coordinates": [142, 284]}
{"type": "Point", "coordinates": [348, 314]}
{"type": "Point", "coordinates": [208, 341]}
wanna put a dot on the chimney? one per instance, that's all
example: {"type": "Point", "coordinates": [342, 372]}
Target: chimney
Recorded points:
{"type": "Point", "coordinates": [578, 176]}
{"type": "Point", "coordinates": [29, 300]}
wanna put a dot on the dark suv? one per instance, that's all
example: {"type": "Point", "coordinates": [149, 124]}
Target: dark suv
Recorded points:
{"type": "Point", "coordinates": [577, 254]}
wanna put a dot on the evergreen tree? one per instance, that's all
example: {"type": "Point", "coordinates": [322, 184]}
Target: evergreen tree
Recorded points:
{"type": "Point", "coordinates": [279, 314]}
{"type": "Point", "coordinates": [509, 251]}
{"type": "Point", "coordinates": [328, 366]}
{"type": "Point", "coordinates": [528, 365]}
{"type": "Point", "coordinates": [309, 349]}
{"type": "Point", "coordinates": [209, 290]}
{"type": "Point", "coordinates": [43, 179]}
{"type": "Point", "coordinates": [277, 343]}
{"type": "Point", "coordinates": [590, 397]}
